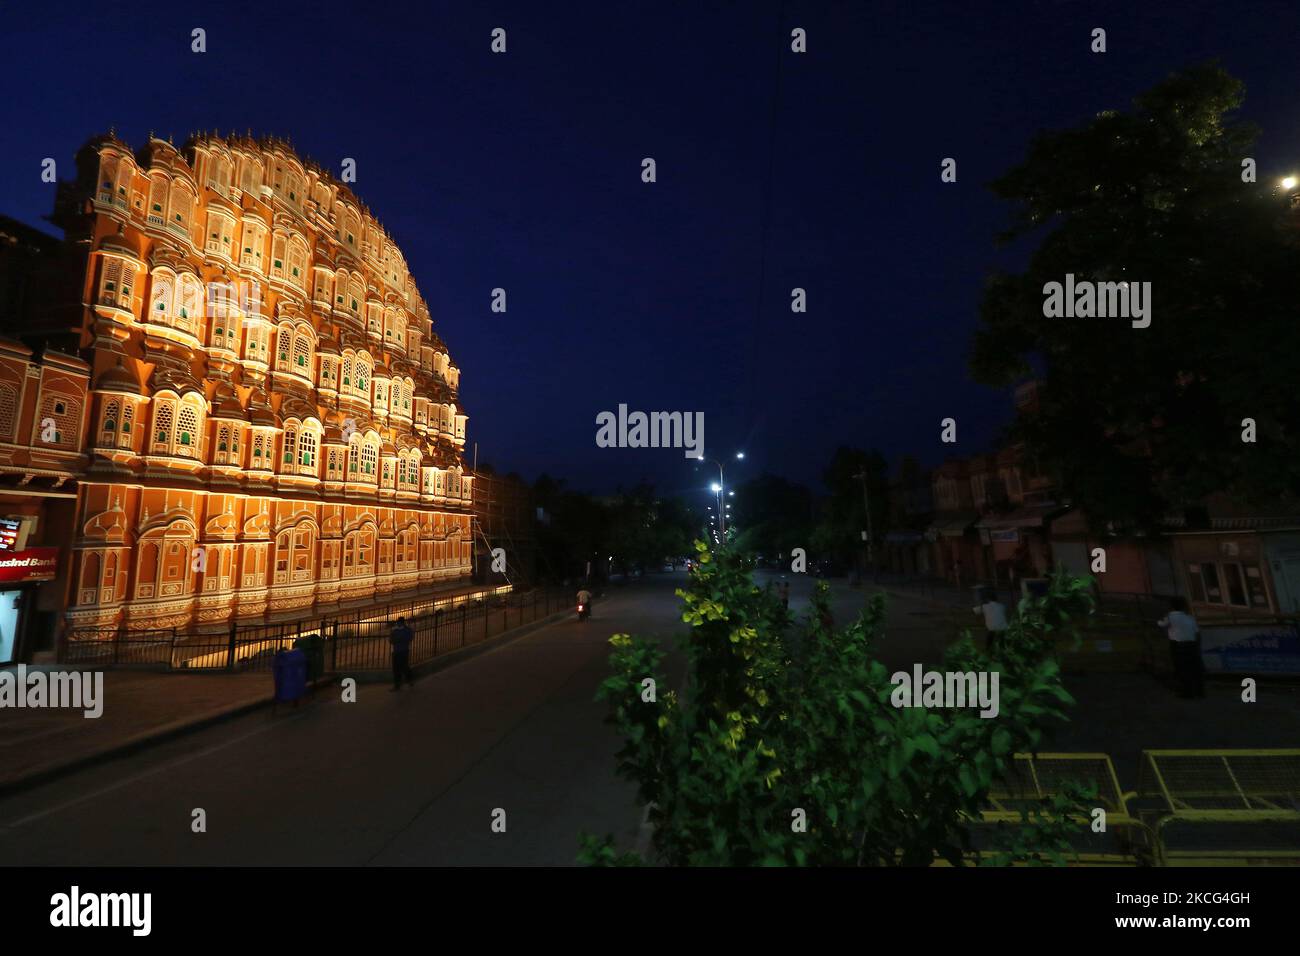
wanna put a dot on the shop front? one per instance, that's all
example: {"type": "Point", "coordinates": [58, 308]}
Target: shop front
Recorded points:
{"type": "Point", "coordinates": [21, 573]}
{"type": "Point", "coordinates": [1016, 542]}
{"type": "Point", "coordinates": [1227, 574]}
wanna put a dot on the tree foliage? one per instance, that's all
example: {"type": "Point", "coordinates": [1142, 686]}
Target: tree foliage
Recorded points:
{"type": "Point", "coordinates": [775, 723]}
{"type": "Point", "coordinates": [1137, 421]}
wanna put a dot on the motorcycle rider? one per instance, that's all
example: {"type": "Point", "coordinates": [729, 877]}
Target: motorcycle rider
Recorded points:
{"type": "Point", "coordinates": [584, 600]}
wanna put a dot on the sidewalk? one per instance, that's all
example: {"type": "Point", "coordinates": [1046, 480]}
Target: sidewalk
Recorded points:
{"type": "Point", "coordinates": [139, 708]}
{"type": "Point", "coordinates": [142, 708]}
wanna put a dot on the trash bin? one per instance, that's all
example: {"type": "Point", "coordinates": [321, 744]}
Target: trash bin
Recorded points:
{"type": "Point", "coordinates": [313, 646]}
{"type": "Point", "coordinates": [290, 671]}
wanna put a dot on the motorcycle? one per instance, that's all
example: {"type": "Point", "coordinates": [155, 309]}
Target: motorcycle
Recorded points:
{"type": "Point", "coordinates": [584, 611]}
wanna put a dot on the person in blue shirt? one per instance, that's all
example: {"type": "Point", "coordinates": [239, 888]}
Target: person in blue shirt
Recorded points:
{"type": "Point", "coordinates": [401, 638]}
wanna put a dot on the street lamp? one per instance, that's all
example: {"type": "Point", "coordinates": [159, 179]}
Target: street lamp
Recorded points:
{"type": "Point", "coordinates": [1289, 182]}
{"type": "Point", "coordinates": [719, 486]}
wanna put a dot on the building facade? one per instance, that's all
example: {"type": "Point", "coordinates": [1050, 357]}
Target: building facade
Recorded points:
{"type": "Point", "coordinates": [39, 469]}
{"type": "Point", "coordinates": [272, 427]}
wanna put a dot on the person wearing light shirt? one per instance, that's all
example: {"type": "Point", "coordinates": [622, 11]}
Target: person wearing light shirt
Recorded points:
{"type": "Point", "coordinates": [1184, 648]}
{"type": "Point", "coordinates": [995, 619]}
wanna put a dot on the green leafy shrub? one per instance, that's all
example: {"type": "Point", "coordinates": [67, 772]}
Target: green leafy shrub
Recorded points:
{"type": "Point", "coordinates": [790, 752]}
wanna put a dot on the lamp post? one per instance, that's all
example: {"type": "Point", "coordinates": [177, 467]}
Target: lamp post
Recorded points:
{"type": "Point", "coordinates": [719, 488]}
{"type": "Point", "coordinates": [866, 507]}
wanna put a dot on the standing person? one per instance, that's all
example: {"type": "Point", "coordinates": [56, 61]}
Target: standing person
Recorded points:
{"type": "Point", "coordinates": [995, 619]}
{"type": "Point", "coordinates": [1184, 648]}
{"type": "Point", "coordinates": [401, 638]}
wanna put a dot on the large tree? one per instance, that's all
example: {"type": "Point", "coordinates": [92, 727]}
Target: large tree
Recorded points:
{"type": "Point", "coordinates": [839, 533]}
{"type": "Point", "coordinates": [1136, 422]}
{"type": "Point", "coordinates": [773, 516]}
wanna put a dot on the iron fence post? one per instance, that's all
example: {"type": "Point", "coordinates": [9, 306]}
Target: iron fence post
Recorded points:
{"type": "Point", "coordinates": [230, 647]}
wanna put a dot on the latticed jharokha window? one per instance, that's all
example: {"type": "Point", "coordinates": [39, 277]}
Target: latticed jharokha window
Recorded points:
{"type": "Point", "coordinates": [108, 428]}
{"type": "Point", "coordinates": [187, 431]}
{"type": "Point", "coordinates": [124, 433]}
{"type": "Point", "coordinates": [284, 345]}
{"type": "Point", "coordinates": [115, 283]}
{"type": "Point", "coordinates": [58, 421]}
{"type": "Point", "coordinates": [307, 452]}
{"type": "Point", "coordinates": [163, 418]}
{"type": "Point", "coordinates": [8, 410]}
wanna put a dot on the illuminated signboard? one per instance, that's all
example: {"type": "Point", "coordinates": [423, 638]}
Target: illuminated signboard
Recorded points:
{"type": "Point", "coordinates": [31, 564]}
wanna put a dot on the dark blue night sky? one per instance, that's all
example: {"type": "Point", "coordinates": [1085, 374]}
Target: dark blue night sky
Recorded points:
{"type": "Point", "coordinates": [775, 170]}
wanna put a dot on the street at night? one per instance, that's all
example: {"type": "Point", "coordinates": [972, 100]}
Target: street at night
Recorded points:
{"type": "Point", "coordinates": [649, 453]}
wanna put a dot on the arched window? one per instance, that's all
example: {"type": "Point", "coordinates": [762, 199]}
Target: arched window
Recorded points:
{"type": "Point", "coordinates": [279, 244]}
{"type": "Point", "coordinates": [124, 433]}
{"type": "Point", "coordinates": [146, 571]}
{"type": "Point", "coordinates": [251, 245]}
{"type": "Point", "coordinates": [283, 551]}
{"type": "Point", "coordinates": [108, 425]}
{"type": "Point", "coordinates": [297, 254]}
{"type": "Point", "coordinates": [307, 452]}
{"type": "Point", "coordinates": [341, 289]}
{"type": "Point", "coordinates": [90, 578]}
{"type": "Point", "coordinates": [290, 446]}
{"type": "Point", "coordinates": [283, 348]}
{"type": "Point", "coordinates": [157, 213]}
{"type": "Point", "coordinates": [161, 295]}
{"type": "Point", "coordinates": [250, 174]}
{"type": "Point", "coordinates": [221, 231]}
{"type": "Point", "coordinates": [187, 431]}
{"type": "Point", "coordinates": [302, 353]}
{"type": "Point", "coordinates": [369, 458]}
{"type": "Point", "coordinates": [189, 306]}
{"type": "Point", "coordinates": [182, 208]}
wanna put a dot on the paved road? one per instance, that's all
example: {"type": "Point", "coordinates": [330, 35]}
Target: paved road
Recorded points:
{"type": "Point", "coordinates": [408, 778]}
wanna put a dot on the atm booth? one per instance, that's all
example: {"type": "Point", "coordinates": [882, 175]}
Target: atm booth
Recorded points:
{"type": "Point", "coordinates": [22, 570]}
